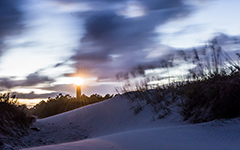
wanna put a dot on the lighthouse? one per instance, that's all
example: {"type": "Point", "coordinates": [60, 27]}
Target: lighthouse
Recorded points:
{"type": "Point", "coordinates": [78, 92]}
{"type": "Point", "coordinates": [79, 83]}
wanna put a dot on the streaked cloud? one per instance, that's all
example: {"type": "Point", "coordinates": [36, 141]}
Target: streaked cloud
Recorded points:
{"type": "Point", "coordinates": [130, 37]}
{"type": "Point", "coordinates": [11, 20]}
{"type": "Point", "coordinates": [31, 80]}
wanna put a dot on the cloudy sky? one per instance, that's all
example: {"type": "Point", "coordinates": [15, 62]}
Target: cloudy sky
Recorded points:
{"type": "Point", "coordinates": [45, 44]}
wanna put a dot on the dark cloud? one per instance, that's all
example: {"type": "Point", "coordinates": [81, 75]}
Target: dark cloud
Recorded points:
{"type": "Point", "coordinates": [111, 33]}
{"type": "Point", "coordinates": [114, 42]}
{"type": "Point", "coordinates": [10, 19]}
{"type": "Point", "coordinates": [225, 39]}
{"type": "Point", "coordinates": [92, 2]}
{"type": "Point", "coordinates": [6, 83]}
{"type": "Point", "coordinates": [31, 80]}
{"type": "Point", "coordinates": [162, 4]}
{"type": "Point", "coordinates": [35, 78]}
{"type": "Point", "coordinates": [33, 95]}
{"type": "Point", "coordinates": [2, 46]}
{"type": "Point", "coordinates": [65, 88]}
{"type": "Point", "coordinates": [59, 64]}
{"type": "Point", "coordinates": [60, 87]}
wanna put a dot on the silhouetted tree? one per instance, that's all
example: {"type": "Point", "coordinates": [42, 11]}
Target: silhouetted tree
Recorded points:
{"type": "Point", "coordinates": [62, 103]}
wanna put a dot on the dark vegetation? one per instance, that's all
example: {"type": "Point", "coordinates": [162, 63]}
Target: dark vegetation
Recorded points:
{"type": "Point", "coordinates": [209, 91]}
{"type": "Point", "coordinates": [14, 121]}
{"type": "Point", "coordinates": [62, 103]}
{"type": "Point", "coordinates": [214, 98]}
{"type": "Point", "coordinates": [13, 116]}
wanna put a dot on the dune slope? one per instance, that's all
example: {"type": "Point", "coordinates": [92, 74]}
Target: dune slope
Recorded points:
{"type": "Point", "coordinates": [112, 125]}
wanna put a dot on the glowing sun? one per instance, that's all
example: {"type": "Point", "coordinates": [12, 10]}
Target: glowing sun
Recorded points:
{"type": "Point", "coordinates": [78, 81]}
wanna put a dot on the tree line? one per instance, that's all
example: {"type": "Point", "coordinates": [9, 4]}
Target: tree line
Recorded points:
{"type": "Point", "coordinates": [62, 103]}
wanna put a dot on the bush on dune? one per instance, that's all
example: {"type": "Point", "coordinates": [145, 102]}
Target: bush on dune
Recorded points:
{"type": "Point", "coordinates": [214, 93]}
{"type": "Point", "coordinates": [211, 99]}
{"type": "Point", "coordinates": [13, 118]}
{"type": "Point", "coordinates": [210, 90]}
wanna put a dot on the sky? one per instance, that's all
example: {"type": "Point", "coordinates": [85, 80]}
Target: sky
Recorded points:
{"type": "Point", "coordinates": [45, 45]}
